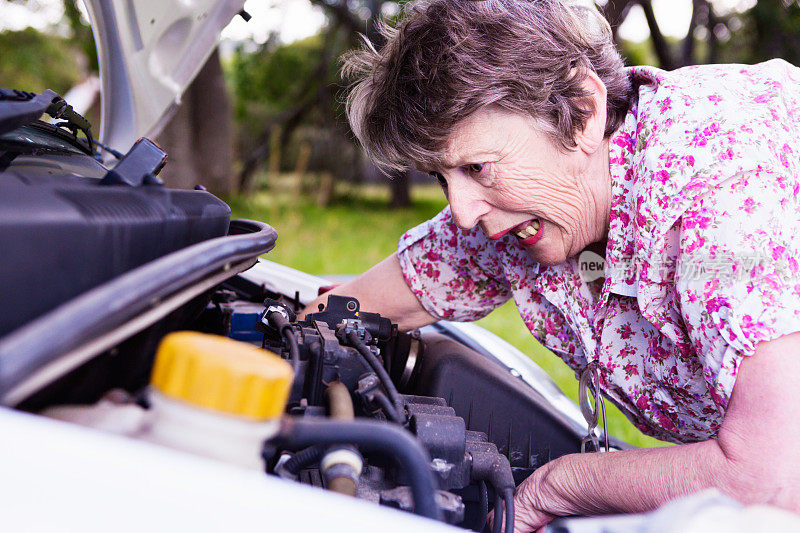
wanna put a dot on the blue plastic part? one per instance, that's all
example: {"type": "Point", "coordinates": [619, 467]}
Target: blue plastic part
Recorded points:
{"type": "Point", "coordinates": [243, 323]}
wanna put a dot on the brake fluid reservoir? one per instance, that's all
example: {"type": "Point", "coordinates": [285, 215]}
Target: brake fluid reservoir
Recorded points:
{"type": "Point", "coordinates": [216, 397]}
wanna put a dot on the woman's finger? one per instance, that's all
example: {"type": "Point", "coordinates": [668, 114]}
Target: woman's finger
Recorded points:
{"type": "Point", "coordinates": [529, 515]}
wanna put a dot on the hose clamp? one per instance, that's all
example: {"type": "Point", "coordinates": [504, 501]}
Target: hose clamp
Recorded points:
{"type": "Point", "coordinates": [275, 309]}
{"type": "Point", "coordinates": [342, 456]}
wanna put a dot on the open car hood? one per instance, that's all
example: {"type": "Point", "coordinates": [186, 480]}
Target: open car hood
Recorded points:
{"type": "Point", "coordinates": [149, 52]}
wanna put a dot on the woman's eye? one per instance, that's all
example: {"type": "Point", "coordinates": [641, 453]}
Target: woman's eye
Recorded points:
{"type": "Point", "coordinates": [478, 171]}
{"type": "Point", "coordinates": [439, 178]}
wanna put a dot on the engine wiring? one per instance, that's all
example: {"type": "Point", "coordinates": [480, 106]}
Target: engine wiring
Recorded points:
{"type": "Point", "coordinates": [300, 460]}
{"type": "Point", "coordinates": [345, 355]}
{"type": "Point", "coordinates": [483, 503]}
{"type": "Point", "coordinates": [508, 498]}
{"type": "Point", "coordinates": [381, 372]}
{"type": "Point", "coordinates": [388, 408]}
{"type": "Point", "coordinates": [497, 524]}
{"type": "Point", "coordinates": [277, 317]}
{"type": "Point", "coordinates": [294, 350]}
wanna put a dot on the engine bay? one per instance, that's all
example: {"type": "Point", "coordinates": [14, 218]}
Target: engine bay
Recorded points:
{"type": "Point", "coordinates": [414, 421]}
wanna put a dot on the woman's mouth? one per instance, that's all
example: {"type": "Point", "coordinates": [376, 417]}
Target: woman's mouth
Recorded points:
{"type": "Point", "coordinates": [528, 232]}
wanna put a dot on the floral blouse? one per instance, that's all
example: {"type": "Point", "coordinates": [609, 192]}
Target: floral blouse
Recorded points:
{"type": "Point", "coordinates": [702, 256]}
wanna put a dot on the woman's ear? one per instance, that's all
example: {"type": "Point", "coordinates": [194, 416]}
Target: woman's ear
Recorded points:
{"type": "Point", "coordinates": [590, 138]}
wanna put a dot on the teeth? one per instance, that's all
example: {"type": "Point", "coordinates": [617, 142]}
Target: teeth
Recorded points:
{"type": "Point", "coordinates": [528, 231]}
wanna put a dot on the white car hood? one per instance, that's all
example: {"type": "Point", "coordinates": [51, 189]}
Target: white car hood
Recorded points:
{"type": "Point", "coordinates": [149, 52]}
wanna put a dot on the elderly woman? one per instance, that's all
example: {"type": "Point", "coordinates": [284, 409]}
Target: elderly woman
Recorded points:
{"type": "Point", "coordinates": [686, 182]}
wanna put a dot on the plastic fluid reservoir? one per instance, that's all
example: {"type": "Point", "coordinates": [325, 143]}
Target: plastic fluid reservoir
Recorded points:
{"type": "Point", "coordinates": [216, 397]}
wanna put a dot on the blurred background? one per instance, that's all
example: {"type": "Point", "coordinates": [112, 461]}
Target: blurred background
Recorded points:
{"type": "Point", "coordinates": [263, 124]}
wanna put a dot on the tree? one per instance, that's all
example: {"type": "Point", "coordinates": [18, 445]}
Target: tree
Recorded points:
{"type": "Point", "coordinates": [776, 31]}
{"type": "Point", "coordinates": [281, 88]}
{"type": "Point", "coordinates": [669, 55]}
{"type": "Point", "coordinates": [81, 33]}
{"type": "Point", "coordinates": [199, 137]}
{"type": "Point", "coordinates": [771, 31]}
{"type": "Point", "coordinates": [31, 60]}
{"type": "Point", "coordinates": [347, 21]}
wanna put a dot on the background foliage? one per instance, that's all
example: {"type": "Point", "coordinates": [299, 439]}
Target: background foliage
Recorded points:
{"type": "Point", "coordinates": [35, 61]}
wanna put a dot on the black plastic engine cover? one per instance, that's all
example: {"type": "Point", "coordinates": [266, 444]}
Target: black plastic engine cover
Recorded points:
{"type": "Point", "coordinates": [63, 233]}
{"type": "Point", "coordinates": [521, 423]}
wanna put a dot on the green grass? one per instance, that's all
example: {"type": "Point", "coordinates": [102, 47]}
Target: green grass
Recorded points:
{"type": "Point", "coordinates": [347, 237]}
{"type": "Point", "coordinates": [357, 230]}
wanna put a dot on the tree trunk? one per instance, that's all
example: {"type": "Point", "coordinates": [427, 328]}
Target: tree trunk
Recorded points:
{"type": "Point", "coordinates": [687, 50]}
{"type": "Point", "coordinates": [660, 45]}
{"type": "Point", "coordinates": [180, 172]}
{"type": "Point", "coordinates": [615, 12]}
{"type": "Point", "coordinates": [401, 190]}
{"type": "Point", "coordinates": [311, 94]}
{"type": "Point", "coordinates": [199, 138]}
{"type": "Point", "coordinates": [711, 40]}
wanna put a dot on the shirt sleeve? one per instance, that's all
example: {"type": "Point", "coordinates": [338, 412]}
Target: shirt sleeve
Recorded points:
{"type": "Point", "coordinates": [737, 278]}
{"type": "Point", "coordinates": [456, 274]}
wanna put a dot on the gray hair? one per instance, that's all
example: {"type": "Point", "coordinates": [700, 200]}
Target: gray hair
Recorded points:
{"type": "Point", "coordinates": [448, 58]}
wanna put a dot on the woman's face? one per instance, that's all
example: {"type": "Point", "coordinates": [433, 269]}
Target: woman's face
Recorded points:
{"type": "Point", "coordinates": [501, 172]}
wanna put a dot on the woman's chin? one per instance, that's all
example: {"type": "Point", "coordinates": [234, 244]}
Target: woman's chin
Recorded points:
{"type": "Point", "coordinates": [546, 254]}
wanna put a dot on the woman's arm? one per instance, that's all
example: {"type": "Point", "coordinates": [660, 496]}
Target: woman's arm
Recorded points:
{"type": "Point", "coordinates": [755, 458]}
{"type": "Point", "coordinates": [382, 289]}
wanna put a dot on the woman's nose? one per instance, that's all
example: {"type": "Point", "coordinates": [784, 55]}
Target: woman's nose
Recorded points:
{"type": "Point", "coordinates": [466, 205]}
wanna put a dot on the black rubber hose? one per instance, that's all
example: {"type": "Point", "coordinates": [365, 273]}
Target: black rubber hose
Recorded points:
{"type": "Point", "coordinates": [370, 436]}
{"type": "Point", "coordinates": [294, 349]}
{"type": "Point", "coordinates": [496, 469]}
{"type": "Point", "coordinates": [497, 526]}
{"type": "Point", "coordinates": [302, 459]}
{"type": "Point", "coordinates": [281, 323]}
{"type": "Point", "coordinates": [388, 408]}
{"type": "Point", "coordinates": [377, 367]}
{"type": "Point", "coordinates": [483, 505]}
{"type": "Point", "coordinates": [508, 498]}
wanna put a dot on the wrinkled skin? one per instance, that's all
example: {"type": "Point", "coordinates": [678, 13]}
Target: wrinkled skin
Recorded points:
{"type": "Point", "coordinates": [501, 169]}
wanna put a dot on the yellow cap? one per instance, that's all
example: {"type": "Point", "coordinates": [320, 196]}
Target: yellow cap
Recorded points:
{"type": "Point", "coordinates": [222, 374]}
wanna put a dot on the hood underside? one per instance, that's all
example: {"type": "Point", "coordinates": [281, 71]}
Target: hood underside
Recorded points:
{"type": "Point", "coordinates": [149, 52]}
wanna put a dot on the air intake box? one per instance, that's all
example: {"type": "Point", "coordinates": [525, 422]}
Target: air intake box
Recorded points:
{"type": "Point", "coordinates": [68, 224]}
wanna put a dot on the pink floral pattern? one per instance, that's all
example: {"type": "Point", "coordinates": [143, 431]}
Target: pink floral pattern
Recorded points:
{"type": "Point", "coordinates": [702, 255]}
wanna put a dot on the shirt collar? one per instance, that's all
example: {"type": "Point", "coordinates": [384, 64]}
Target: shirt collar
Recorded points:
{"type": "Point", "coordinates": [620, 269]}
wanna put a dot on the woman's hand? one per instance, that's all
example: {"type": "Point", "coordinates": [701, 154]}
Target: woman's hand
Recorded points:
{"type": "Point", "coordinates": [530, 502]}
{"type": "Point", "coordinates": [754, 458]}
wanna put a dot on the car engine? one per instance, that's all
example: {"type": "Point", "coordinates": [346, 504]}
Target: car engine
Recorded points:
{"type": "Point", "coordinates": [414, 421]}
{"type": "Point", "coordinates": [344, 361]}
{"type": "Point", "coordinates": [362, 389]}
